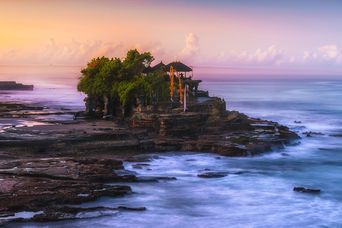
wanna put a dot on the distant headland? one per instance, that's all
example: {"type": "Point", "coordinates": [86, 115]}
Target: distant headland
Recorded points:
{"type": "Point", "coordinates": [12, 85]}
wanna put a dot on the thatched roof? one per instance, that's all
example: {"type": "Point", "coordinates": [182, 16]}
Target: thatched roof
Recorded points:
{"type": "Point", "coordinates": [147, 70]}
{"type": "Point", "coordinates": [178, 66]}
{"type": "Point", "coordinates": [159, 67]}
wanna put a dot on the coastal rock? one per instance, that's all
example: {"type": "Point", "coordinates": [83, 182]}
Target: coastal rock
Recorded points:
{"type": "Point", "coordinates": [307, 190]}
{"type": "Point", "coordinates": [44, 167]}
{"type": "Point", "coordinates": [154, 178]}
{"type": "Point", "coordinates": [33, 184]}
{"type": "Point", "coordinates": [68, 213]}
{"type": "Point", "coordinates": [212, 174]}
{"type": "Point", "coordinates": [140, 166]}
{"type": "Point", "coordinates": [336, 135]}
{"type": "Point", "coordinates": [206, 127]}
{"type": "Point", "coordinates": [312, 133]}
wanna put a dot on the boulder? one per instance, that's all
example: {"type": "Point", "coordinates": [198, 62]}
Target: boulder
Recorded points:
{"type": "Point", "coordinates": [306, 190]}
{"type": "Point", "coordinates": [212, 174]}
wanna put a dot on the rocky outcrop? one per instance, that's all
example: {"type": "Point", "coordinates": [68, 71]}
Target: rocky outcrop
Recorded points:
{"type": "Point", "coordinates": [68, 213]}
{"type": "Point", "coordinates": [206, 127]}
{"type": "Point", "coordinates": [182, 125]}
{"type": "Point", "coordinates": [212, 174]}
{"type": "Point", "coordinates": [44, 167]}
{"type": "Point", "coordinates": [307, 190]}
{"type": "Point", "coordinates": [41, 184]}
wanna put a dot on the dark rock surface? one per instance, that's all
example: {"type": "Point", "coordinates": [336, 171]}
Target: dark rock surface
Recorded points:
{"type": "Point", "coordinates": [212, 174]}
{"type": "Point", "coordinates": [336, 135]}
{"type": "Point", "coordinates": [42, 184]}
{"type": "Point", "coordinates": [312, 133]}
{"type": "Point", "coordinates": [307, 190]}
{"type": "Point", "coordinates": [207, 127]}
{"type": "Point", "coordinates": [44, 167]}
{"type": "Point", "coordinates": [68, 213]}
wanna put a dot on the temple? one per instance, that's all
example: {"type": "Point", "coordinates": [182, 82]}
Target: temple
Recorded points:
{"type": "Point", "coordinates": [183, 72]}
{"type": "Point", "coordinates": [160, 88]}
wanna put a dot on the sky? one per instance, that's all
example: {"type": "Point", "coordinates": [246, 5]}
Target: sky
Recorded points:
{"type": "Point", "coordinates": [299, 38]}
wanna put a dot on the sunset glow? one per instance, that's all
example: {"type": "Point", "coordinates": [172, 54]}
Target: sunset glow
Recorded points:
{"type": "Point", "coordinates": [294, 38]}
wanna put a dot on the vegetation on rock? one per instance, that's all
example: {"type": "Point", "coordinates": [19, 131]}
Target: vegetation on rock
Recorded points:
{"type": "Point", "coordinates": [114, 86]}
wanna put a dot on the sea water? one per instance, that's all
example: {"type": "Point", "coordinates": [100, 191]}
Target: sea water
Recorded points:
{"type": "Point", "coordinates": [262, 194]}
{"type": "Point", "coordinates": [54, 90]}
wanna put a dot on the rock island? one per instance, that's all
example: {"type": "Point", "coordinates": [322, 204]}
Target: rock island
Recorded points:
{"type": "Point", "coordinates": [132, 110]}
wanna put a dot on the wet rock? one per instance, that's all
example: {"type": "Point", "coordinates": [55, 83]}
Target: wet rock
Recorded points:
{"type": "Point", "coordinates": [132, 208]}
{"type": "Point", "coordinates": [68, 213]}
{"type": "Point", "coordinates": [328, 149]}
{"type": "Point", "coordinates": [154, 178]}
{"type": "Point", "coordinates": [139, 158]}
{"type": "Point", "coordinates": [6, 214]}
{"type": "Point", "coordinates": [207, 127]}
{"type": "Point", "coordinates": [307, 190]}
{"type": "Point", "coordinates": [240, 172]}
{"type": "Point", "coordinates": [33, 184]}
{"type": "Point", "coordinates": [69, 164]}
{"type": "Point", "coordinates": [312, 133]}
{"type": "Point", "coordinates": [336, 135]}
{"type": "Point", "coordinates": [140, 166]}
{"type": "Point", "coordinates": [212, 174]}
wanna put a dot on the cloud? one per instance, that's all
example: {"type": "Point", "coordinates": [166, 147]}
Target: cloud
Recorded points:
{"type": "Point", "coordinates": [78, 53]}
{"type": "Point", "coordinates": [69, 53]}
{"type": "Point", "coordinates": [326, 55]}
{"type": "Point", "coordinates": [273, 56]}
{"type": "Point", "coordinates": [192, 47]}
{"type": "Point", "coordinates": [331, 53]}
{"type": "Point", "coordinates": [269, 56]}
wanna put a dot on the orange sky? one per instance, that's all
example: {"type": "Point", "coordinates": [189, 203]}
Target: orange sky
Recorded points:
{"type": "Point", "coordinates": [214, 33]}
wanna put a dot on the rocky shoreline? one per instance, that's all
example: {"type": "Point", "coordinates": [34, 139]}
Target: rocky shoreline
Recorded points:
{"type": "Point", "coordinates": [46, 168]}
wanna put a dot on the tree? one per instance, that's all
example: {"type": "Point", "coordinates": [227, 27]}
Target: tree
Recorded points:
{"type": "Point", "coordinates": [115, 84]}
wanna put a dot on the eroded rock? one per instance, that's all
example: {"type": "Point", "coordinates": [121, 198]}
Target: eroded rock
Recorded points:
{"type": "Point", "coordinates": [33, 184]}
{"type": "Point", "coordinates": [212, 174]}
{"type": "Point", "coordinates": [307, 190]}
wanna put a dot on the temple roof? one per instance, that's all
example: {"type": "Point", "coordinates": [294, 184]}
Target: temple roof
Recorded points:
{"type": "Point", "coordinates": [178, 66]}
{"type": "Point", "coordinates": [159, 67]}
{"type": "Point", "coordinates": [148, 70]}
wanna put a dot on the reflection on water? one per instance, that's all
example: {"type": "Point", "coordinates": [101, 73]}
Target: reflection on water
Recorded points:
{"type": "Point", "coordinates": [49, 97]}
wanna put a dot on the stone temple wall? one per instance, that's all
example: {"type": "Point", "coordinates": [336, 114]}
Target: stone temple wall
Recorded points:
{"type": "Point", "coordinates": [206, 115]}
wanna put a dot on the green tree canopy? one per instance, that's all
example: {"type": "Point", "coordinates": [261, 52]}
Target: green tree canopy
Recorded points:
{"type": "Point", "coordinates": [122, 80]}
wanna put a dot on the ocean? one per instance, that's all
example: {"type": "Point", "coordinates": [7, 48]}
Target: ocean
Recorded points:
{"type": "Point", "coordinates": [262, 196]}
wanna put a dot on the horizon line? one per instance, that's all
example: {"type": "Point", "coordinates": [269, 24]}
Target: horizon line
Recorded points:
{"type": "Point", "coordinates": [226, 67]}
